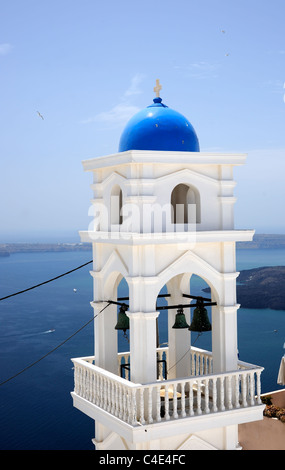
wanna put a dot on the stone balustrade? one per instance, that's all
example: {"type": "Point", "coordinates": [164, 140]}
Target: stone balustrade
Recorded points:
{"type": "Point", "coordinates": [137, 404]}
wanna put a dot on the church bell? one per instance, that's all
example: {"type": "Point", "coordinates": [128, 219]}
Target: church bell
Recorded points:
{"type": "Point", "coordinates": [200, 321]}
{"type": "Point", "coordinates": [123, 320]}
{"type": "Point", "coordinates": [180, 320]}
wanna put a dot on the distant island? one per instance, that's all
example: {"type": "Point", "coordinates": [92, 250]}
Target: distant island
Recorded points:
{"type": "Point", "coordinates": [256, 288]}
{"type": "Point", "coordinates": [260, 241]}
{"type": "Point", "coordinates": [6, 249]}
{"type": "Point", "coordinates": [261, 288]}
{"type": "Point", "coordinates": [263, 241]}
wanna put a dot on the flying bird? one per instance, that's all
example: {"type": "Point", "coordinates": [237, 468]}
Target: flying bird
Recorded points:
{"type": "Point", "coordinates": [223, 31]}
{"type": "Point", "coordinates": [40, 115]}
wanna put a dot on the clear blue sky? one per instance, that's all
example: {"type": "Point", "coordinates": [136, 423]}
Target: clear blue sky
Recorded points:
{"type": "Point", "coordinates": [89, 65]}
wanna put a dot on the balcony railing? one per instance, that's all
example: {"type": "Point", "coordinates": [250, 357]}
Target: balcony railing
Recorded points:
{"type": "Point", "coordinates": [137, 404]}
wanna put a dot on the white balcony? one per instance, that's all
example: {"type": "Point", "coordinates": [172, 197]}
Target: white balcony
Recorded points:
{"type": "Point", "coordinates": [231, 397]}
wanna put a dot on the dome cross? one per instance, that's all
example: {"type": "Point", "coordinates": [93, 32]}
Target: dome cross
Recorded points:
{"type": "Point", "coordinates": [157, 87]}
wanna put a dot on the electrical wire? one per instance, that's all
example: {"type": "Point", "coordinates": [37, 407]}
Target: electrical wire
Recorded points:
{"type": "Point", "coordinates": [54, 349]}
{"type": "Point", "coordinates": [45, 282]}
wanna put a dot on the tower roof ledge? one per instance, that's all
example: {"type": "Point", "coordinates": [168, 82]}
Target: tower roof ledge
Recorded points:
{"type": "Point", "coordinates": [164, 157]}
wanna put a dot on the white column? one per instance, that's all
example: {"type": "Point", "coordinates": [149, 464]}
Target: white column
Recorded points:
{"type": "Point", "coordinates": [224, 315]}
{"type": "Point", "coordinates": [224, 338]}
{"type": "Point", "coordinates": [143, 346]}
{"type": "Point", "coordinates": [231, 438]}
{"type": "Point", "coordinates": [178, 339]}
{"type": "Point", "coordinates": [105, 336]}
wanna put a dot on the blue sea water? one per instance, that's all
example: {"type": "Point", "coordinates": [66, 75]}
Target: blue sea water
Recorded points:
{"type": "Point", "coordinates": [36, 411]}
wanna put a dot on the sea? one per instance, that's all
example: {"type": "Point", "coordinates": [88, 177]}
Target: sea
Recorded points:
{"type": "Point", "coordinates": [42, 329]}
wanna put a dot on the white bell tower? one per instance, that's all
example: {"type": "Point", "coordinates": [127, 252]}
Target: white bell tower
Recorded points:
{"type": "Point", "coordinates": [164, 211]}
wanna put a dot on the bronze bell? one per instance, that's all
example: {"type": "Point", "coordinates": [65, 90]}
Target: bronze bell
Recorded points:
{"type": "Point", "coordinates": [123, 320]}
{"type": "Point", "coordinates": [200, 321]}
{"type": "Point", "coordinates": [180, 320]}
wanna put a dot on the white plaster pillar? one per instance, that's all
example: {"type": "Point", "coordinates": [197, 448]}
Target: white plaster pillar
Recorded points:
{"type": "Point", "coordinates": [231, 437]}
{"type": "Point", "coordinates": [224, 315]}
{"type": "Point", "coordinates": [105, 319]}
{"type": "Point", "coordinates": [224, 338]}
{"type": "Point", "coordinates": [105, 336]}
{"type": "Point", "coordinates": [178, 339]}
{"type": "Point", "coordinates": [227, 212]}
{"type": "Point", "coordinates": [143, 346]}
{"type": "Point", "coordinates": [101, 433]}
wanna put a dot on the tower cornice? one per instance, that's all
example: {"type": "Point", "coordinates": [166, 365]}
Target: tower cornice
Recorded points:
{"type": "Point", "coordinates": [159, 157]}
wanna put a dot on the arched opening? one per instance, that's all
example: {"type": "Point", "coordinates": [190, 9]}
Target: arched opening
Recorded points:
{"type": "Point", "coordinates": [176, 347]}
{"type": "Point", "coordinates": [185, 202]}
{"type": "Point", "coordinates": [123, 336]}
{"type": "Point", "coordinates": [198, 287]}
{"type": "Point", "coordinates": [116, 205]}
{"type": "Point", "coordinates": [123, 297]}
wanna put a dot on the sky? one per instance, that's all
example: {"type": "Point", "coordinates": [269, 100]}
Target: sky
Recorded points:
{"type": "Point", "coordinates": [73, 72]}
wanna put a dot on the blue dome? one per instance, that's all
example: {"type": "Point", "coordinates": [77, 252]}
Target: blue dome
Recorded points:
{"type": "Point", "coordinates": [158, 127]}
